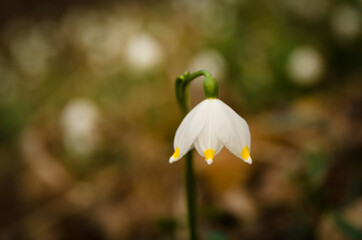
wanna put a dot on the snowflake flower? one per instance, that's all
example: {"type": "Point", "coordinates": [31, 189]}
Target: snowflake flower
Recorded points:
{"type": "Point", "coordinates": [209, 127]}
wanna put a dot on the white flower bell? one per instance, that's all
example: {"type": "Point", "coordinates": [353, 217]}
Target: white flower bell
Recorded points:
{"type": "Point", "coordinates": [209, 127]}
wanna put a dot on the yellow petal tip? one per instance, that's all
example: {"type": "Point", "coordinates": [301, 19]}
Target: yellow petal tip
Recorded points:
{"type": "Point", "coordinates": [209, 155]}
{"type": "Point", "coordinates": [176, 153]}
{"type": "Point", "coordinates": [245, 155]}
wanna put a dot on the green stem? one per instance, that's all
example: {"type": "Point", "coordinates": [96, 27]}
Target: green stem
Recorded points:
{"type": "Point", "coordinates": [182, 83]}
{"type": "Point", "coordinates": [191, 195]}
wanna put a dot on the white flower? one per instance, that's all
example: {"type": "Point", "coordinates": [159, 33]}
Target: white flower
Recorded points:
{"type": "Point", "coordinates": [306, 66]}
{"type": "Point", "coordinates": [209, 126]}
{"type": "Point", "coordinates": [346, 22]}
{"type": "Point", "coordinates": [79, 121]}
{"type": "Point", "coordinates": [144, 52]}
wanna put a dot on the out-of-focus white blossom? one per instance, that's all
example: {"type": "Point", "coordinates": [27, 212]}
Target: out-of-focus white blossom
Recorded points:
{"type": "Point", "coordinates": [102, 37]}
{"type": "Point", "coordinates": [305, 65]}
{"type": "Point", "coordinates": [79, 122]}
{"type": "Point", "coordinates": [209, 59]}
{"type": "Point", "coordinates": [346, 22]}
{"type": "Point", "coordinates": [31, 48]}
{"type": "Point", "coordinates": [144, 52]}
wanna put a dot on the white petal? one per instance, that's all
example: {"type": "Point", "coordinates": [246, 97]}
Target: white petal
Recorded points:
{"type": "Point", "coordinates": [233, 131]}
{"type": "Point", "coordinates": [189, 129]}
{"type": "Point", "coordinates": [208, 139]}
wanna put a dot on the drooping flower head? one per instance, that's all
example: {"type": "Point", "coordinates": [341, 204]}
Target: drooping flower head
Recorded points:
{"type": "Point", "coordinates": [209, 127]}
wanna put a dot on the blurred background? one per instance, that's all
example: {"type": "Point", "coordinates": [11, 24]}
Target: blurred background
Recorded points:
{"type": "Point", "coordinates": [88, 115]}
